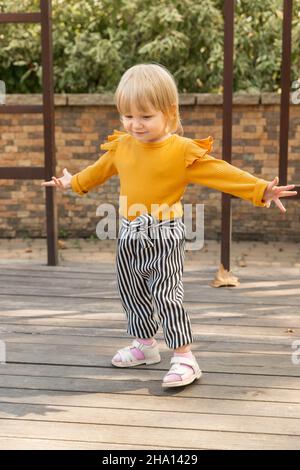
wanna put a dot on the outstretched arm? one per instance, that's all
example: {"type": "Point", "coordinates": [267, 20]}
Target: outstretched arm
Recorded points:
{"type": "Point", "coordinates": [88, 178]}
{"type": "Point", "coordinates": [202, 168]}
{"type": "Point", "coordinates": [221, 175]}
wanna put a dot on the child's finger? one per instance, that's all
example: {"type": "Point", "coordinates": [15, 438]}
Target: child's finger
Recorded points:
{"type": "Point", "coordinates": [47, 183]}
{"type": "Point", "coordinates": [284, 188]}
{"type": "Point", "coordinates": [57, 181]}
{"type": "Point", "coordinates": [287, 193]}
{"type": "Point", "coordinates": [280, 205]}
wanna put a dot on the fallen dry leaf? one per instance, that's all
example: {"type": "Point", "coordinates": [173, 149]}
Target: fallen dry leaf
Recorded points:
{"type": "Point", "coordinates": [62, 245]}
{"type": "Point", "coordinates": [224, 278]}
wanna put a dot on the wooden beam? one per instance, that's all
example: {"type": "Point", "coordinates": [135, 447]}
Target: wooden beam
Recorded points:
{"type": "Point", "coordinates": [20, 17]}
{"type": "Point", "coordinates": [20, 108]}
{"type": "Point", "coordinates": [22, 173]}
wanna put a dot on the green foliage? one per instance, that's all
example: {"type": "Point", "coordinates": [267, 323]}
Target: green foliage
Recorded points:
{"type": "Point", "coordinates": [258, 41]}
{"type": "Point", "coordinates": [95, 41]}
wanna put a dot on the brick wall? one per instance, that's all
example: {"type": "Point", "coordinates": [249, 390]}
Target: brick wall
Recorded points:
{"type": "Point", "coordinates": [82, 123]}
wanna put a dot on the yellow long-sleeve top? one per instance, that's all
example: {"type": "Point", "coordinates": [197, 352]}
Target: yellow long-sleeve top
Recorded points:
{"type": "Point", "coordinates": [154, 175]}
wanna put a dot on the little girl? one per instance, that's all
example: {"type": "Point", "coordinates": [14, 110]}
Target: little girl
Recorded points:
{"type": "Point", "coordinates": [155, 163]}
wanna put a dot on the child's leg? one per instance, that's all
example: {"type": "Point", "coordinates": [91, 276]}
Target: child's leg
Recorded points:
{"type": "Point", "coordinates": [137, 302]}
{"type": "Point", "coordinates": [167, 290]}
{"type": "Point", "coordinates": [133, 290]}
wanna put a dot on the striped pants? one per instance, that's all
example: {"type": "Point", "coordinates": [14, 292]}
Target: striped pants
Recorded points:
{"type": "Point", "coordinates": [150, 256]}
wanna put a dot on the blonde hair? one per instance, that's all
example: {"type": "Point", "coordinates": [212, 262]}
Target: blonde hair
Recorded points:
{"type": "Point", "coordinates": [153, 84]}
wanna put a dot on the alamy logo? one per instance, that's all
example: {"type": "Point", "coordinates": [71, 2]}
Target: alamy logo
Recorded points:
{"type": "Point", "coordinates": [2, 92]}
{"type": "Point", "coordinates": [296, 93]}
{"type": "Point", "coordinates": [296, 353]}
{"type": "Point", "coordinates": [2, 352]}
{"type": "Point", "coordinates": [106, 228]}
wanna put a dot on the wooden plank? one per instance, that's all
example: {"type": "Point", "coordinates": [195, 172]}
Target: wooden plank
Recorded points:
{"type": "Point", "coordinates": [14, 443]}
{"type": "Point", "coordinates": [66, 274]}
{"type": "Point", "coordinates": [107, 319]}
{"type": "Point", "coordinates": [111, 293]}
{"type": "Point", "coordinates": [37, 267]}
{"type": "Point", "coordinates": [248, 282]}
{"type": "Point", "coordinates": [49, 335]}
{"type": "Point", "coordinates": [86, 352]}
{"type": "Point", "coordinates": [149, 419]}
{"type": "Point", "coordinates": [103, 290]}
{"type": "Point", "coordinates": [149, 402]}
{"type": "Point", "coordinates": [193, 439]}
{"type": "Point", "coordinates": [191, 269]}
{"type": "Point", "coordinates": [199, 279]}
{"type": "Point", "coordinates": [146, 387]}
{"type": "Point", "coordinates": [210, 366]}
{"type": "Point", "coordinates": [211, 313]}
{"type": "Point", "coordinates": [109, 344]}
{"type": "Point", "coordinates": [206, 311]}
{"type": "Point", "coordinates": [104, 327]}
{"type": "Point", "coordinates": [105, 269]}
{"type": "Point", "coordinates": [144, 374]}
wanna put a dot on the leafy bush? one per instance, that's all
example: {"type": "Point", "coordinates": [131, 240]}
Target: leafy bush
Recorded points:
{"type": "Point", "coordinates": [95, 41]}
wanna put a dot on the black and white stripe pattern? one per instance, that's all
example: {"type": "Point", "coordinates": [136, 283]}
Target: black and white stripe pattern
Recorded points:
{"type": "Point", "coordinates": [150, 257]}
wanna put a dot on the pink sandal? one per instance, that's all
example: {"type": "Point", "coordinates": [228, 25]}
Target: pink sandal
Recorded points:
{"type": "Point", "coordinates": [137, 354]}
{"type": "Point", "coordinates": [186, 375]}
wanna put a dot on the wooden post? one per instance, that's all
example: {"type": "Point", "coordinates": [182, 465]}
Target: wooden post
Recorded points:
{"type": "Point", "coordinates": [49, 131]}
{"type": "Point", "coordinates": [226, 224]}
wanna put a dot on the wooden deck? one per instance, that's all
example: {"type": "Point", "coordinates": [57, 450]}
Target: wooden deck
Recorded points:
{"type": "Point", "coordinates": [58, 390]}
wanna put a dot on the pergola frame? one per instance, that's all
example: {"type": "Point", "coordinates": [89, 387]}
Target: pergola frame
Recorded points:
{"type": "Point", "coordinates": [47, 109]}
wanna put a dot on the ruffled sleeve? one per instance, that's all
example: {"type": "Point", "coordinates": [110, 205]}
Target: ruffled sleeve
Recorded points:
{"type": "Point", "coordinates": [101, 170]}
{"type": "Point", "coordinates": [203, 169]}
{"type": "Point", "coordinates": [112, 140]}
{"type": "Point", "coordinates": [197, 149]}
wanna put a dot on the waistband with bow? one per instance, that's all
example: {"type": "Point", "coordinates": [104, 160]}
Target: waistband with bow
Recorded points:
{"type": "Point", "coordinates": [141, 226]}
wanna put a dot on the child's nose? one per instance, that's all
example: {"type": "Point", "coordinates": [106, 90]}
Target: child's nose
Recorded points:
{"type": "Point", "coordinates": [137, 126]}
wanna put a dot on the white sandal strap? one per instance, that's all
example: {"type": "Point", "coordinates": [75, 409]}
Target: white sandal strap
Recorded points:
{"type": "Point", "coordinates": [178, 365]}
{"type": "Point", "coordinates": [178, 369]}
{"type": "Point", "coordinates": [126, 355]}
{"type": "Point", "coordinates": [184, 360]}
{"type": "Point", "coordinates": [137, 344]}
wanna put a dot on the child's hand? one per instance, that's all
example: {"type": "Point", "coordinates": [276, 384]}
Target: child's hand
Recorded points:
{"type": "Point", "coordinates": [273, 193]}
{"type": "Point", "coordinates": [61, 183]}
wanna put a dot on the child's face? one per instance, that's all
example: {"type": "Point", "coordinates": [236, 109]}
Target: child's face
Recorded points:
{"type": "Point", "coordinates": [146, 127]}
